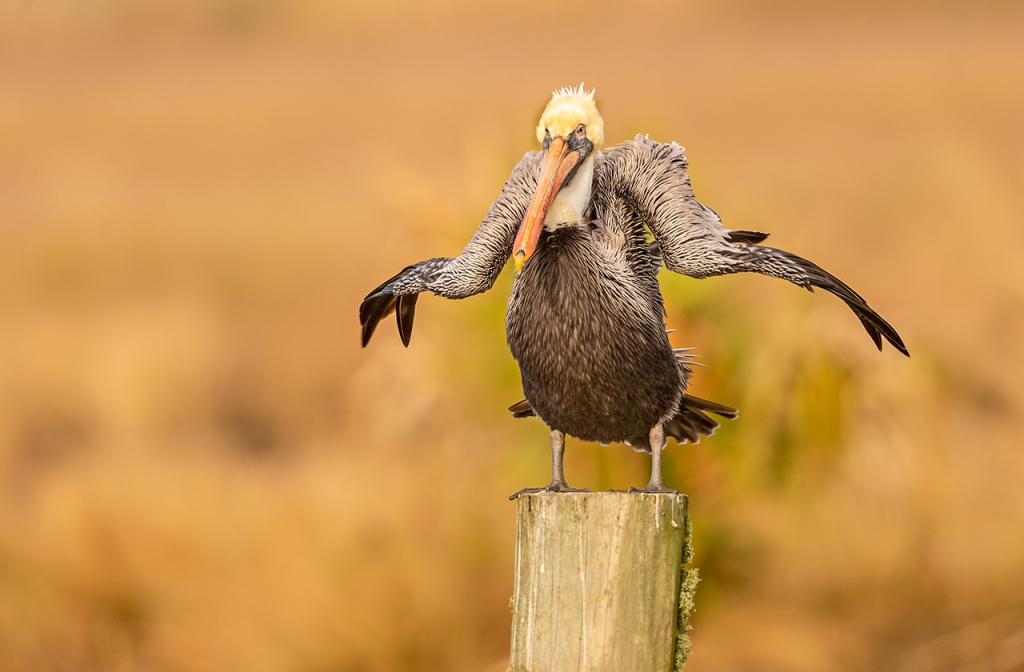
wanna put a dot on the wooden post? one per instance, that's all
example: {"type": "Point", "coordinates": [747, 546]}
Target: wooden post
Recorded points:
{"type": "Point", "coordinates": [600, 583]}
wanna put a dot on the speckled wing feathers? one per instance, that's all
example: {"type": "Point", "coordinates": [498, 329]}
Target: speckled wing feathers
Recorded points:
{"type": "Point", "coordinates": [651, 178]}
{"type": "Point", "coordinates": [472, 272]}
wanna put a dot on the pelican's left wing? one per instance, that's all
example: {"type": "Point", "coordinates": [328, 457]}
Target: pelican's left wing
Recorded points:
{"type": "Point", "coordinates": [651, 177]}
{"type": "Point", "coordinates": [472, 272]}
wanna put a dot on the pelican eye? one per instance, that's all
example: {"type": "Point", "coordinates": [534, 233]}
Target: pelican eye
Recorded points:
{"type": "Point", "coordinates": [581, 130]}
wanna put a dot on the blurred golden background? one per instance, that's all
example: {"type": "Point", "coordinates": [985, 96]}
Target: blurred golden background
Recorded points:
{"type": "Point", "coordinates": [200, 470]}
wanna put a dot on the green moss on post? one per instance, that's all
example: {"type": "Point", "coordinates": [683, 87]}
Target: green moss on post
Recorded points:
{"type": "Point", "coordinates": [687, 595]}
{"type": "Point", "coordinates": [687, 592]}
{"type": "Point", "coordinates": [598, 585]}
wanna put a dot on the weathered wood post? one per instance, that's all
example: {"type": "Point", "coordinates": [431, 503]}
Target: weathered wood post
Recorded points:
{"type": "Point", "coordinates": [600, 583]}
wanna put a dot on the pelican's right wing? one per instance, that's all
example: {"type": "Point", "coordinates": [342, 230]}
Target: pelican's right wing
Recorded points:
{"type": "Point", "coordinates": [651, 178]}
{"type": "Point", "coordinates": [472, 272]}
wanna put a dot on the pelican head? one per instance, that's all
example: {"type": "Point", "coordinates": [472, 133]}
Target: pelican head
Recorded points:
{"type": "Point", "coordinates": [568, 109]}
{"type": "Point", "coordinates": [571, 132]}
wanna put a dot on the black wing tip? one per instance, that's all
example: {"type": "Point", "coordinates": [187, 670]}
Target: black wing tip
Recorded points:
{"type": "Point", "coordinates": [894, 340]}
{"type": "Point", "coordinates": [379, 303]}
{"type": "Point", "coordinates": [875, 333]}
{"type": "Point", "coordinates": [368, 305]}
{"type": "Point", "coordinates": [373, 309]}
{"type": "Point", "coordinates": [368, 329]}
{"type": "Point", "coordinates": [405, 314]}
{"type": "Point", "coordinates": [898, 344]}
{"type": "Point", "coordinates": [877, 327]}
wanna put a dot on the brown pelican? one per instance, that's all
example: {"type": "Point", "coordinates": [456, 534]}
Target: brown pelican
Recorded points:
{"type": "Point", "coordinates": [585, 313]}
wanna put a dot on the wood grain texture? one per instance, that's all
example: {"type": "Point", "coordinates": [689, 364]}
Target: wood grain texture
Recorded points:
{"type": "Point", "coordinates": [597, 583]}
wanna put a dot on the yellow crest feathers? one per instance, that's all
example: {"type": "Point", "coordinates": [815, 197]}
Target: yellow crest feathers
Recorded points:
{"type": "Point", "coordinates": [569, 107]}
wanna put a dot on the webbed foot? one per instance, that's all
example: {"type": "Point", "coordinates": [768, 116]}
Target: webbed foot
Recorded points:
{"type": "Point", "coordinates": [655, 488]}
{"type": "Point", "coordinates": [553, 486]}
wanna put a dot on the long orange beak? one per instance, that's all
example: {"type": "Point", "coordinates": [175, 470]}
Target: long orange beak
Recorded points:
{"type": "Point", "coordinates": [558, 161]}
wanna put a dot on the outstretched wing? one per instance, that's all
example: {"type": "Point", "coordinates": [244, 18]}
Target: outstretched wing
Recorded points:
{"type": "Point", "coordinates": [472, 272]}
{"type": "Point", "coordinates": [651, 177]}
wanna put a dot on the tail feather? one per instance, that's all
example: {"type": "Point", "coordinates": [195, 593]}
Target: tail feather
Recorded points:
{"type": "Point", "coordinates": [689, 423]}
{"type": "Point", "coordinates": [727, 412]}
{"type": "Point", "coordinates": [522, 409]}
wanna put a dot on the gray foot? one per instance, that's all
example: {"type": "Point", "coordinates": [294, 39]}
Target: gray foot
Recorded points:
{"type": "Point", "coordinates": [658, 488]}
{"type": "Point", "coordinates": [553, 486]}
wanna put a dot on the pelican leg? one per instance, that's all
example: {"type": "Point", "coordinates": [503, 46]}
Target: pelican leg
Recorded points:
{"type": "Point", "coordinates": [557, 483]}
{"type": "Point", "coordinates": [658, 441]}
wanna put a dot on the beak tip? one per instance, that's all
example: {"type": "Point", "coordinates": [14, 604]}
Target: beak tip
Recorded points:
{"type": "Point", "coordinates": [519, 258]}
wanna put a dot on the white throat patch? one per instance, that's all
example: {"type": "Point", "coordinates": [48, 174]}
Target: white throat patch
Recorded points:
{"type": "Point", "coordinates": [571, 202]}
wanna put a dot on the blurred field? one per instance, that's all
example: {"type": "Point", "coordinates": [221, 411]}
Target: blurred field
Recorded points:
{"type": "Point", "coordinates": [200, 470]}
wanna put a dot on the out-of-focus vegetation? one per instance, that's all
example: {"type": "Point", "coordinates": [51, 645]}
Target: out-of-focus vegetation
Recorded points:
{"type": "Point", "coordinates": [200, 470]}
